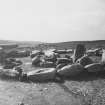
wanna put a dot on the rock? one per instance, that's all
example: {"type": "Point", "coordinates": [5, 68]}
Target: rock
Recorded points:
{"type": "Point", "coordinates": [95, 67]}
{"type": "Point", "coordinates": [47, 64]}
{"type": "Point", "coordinates": [79, 52]}
{"type": "Point", "coordinates": [85, 60]}
{"type": "Point", "coordinates": [42, 74]}
{"type": "Point", "coordinates": [63, 60]}
{"type": "Point", "coordinates": [35, 53]}
{"type": "Point", "coordinates": [103, 57]}
{"type": "Point", "coordinates": [71, 70]}
{"type": "Point", "coordinates": [59, 66]}
{"type": "Point", "coordinates": [36, 60]}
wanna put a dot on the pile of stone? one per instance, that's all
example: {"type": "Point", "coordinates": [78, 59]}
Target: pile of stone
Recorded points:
{"type": "Point", "coordinates": [55, 65]}
{"type": "Point", "coordinates": [82, 62]}
{"type": "Point", "coordinates": [10, 63]}
{"type": "Point", "coordinates": [18, 54]}
{"type": "Point", "coordinates": [43, 59]}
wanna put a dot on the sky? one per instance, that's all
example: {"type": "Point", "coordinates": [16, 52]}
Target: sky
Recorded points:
{"type": "Point", "coordinates": [52, 20]}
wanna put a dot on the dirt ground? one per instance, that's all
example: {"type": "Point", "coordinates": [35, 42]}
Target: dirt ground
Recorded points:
{"type": "Point", "coordinates": [85, 89]}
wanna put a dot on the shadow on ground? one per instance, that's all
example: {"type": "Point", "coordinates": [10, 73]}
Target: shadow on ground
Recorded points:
{"type": "Point", "coordinates": [86, 76]}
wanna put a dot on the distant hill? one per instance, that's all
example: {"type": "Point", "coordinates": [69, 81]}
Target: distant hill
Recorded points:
{"type": "Point", "coordinates": [21, 43]}
{"type": "Point", "coordinates": [61, 45]}
{"type": "Point", "coordinates": [73, 44]}
{"type": "Point", "coordinates": [5, 42]}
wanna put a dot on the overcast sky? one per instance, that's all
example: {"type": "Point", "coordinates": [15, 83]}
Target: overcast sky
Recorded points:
{"type": "Point", "coordinates": [52, 20]}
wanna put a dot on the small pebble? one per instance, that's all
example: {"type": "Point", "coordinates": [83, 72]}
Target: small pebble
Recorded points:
{"type": "Point", "coordinates": [45, 88]}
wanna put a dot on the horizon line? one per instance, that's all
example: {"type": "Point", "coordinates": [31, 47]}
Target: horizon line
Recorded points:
{"type": "Point", "coordinates": [49, 42]}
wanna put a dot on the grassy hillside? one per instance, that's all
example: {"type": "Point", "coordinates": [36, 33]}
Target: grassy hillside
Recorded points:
{"type": "Point", "coordinates": [21, 43]}
{"type": "Point", "coordinates": [72, 44]}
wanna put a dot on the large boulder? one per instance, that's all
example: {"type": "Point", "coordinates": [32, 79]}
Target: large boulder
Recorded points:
{"type": "Point", "coordinates": [71, 70]}
{"type": "Point", "coordinates": [50, 56]}
{"type": "Point", "coordinates": [99, 52]}
{"type": "Point", "coordinates": [85, 60]}
{"type": "Point", "coordinates": [94, 52]}
{"type": "Point", "coordinates": [63, 60]}
{"type": "Point", "coordinates": [36, 60]}
{"type": "Point", "coordinates": [95, 67]}
{"type": "Point", "coordinates": [35, 53]}
{"type": "Point", "coordinates": [42, 74]}
{"type": "Point", "coordinates": [90, 52]}
{"type": "Point", "coordinates": [47, 64]}
{"type": "Point", "coordinates": [59, 66]}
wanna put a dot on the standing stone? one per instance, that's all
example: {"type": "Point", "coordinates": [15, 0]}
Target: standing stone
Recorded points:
{"type": "Point", "coordinates": [79, 52]}
{"type": "Point", "coordinates": [103, 57]}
